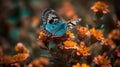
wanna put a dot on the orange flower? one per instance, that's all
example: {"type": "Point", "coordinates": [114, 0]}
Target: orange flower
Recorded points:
{"type": "Point", "coordinates": [77, 65]}
{"type": "Point", "coordinates": [20, 57]}
{"type": "Point", "coordinates": [17, 58]}
{"type": "Point", "coordinates": [20, 48]}
{"type": "Point", "coordinates": [100, 7]}
{"type": "Point", "coordinates": [70, 34]}
{"type": "Point", "coordinates": [40, 62]}
{"type": "Point", "coordinates": [44, 60]}
{"type": "Point", "coordinates": [97, 34]}
{"type": "Point", "coordinates": [42, 36]}
{"type": "Point", "coordinates": [102, 60]}
{"type": "Point", "coordinates": [83, 50]}
{"type": "Point", "coordinates": [69, 44]}
{"type": "Point", "coordinates": [5, 60]}
{"type": "Point", "coordinates": [108, 42]}
{"type": "Point", "coordinates": [36, 63]}
{"type": "Point", "coordinates": [82, 65]}
{"type": "Point", "coordinates": [115, 34]}
{"type": "Point", "coordinates": [82, 31]}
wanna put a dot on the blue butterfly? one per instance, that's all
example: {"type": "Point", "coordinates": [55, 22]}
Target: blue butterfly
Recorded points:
{"type": "Point", "coordinates": [53, 25]}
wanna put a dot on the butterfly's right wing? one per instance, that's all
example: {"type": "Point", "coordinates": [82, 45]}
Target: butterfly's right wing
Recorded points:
{"type": "Point", "coordinates": [72, 23]}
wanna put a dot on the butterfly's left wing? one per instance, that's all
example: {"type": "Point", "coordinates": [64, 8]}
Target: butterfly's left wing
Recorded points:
{"type": "Point", "coordinates": [50, 16]}
{"type": "Point", "coordinates": [53, 24]}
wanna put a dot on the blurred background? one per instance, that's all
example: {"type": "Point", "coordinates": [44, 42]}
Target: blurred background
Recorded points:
{"type": "Point", "coordinates": [20, 20]}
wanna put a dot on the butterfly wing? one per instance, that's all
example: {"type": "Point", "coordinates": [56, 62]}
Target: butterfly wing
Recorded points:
{"type": "Point", "coordinates": [61, 31]}
{"type": "Point", "coordinates": [53, 24]}
{"type": "Point", "coordinates": [72, 23]}
{"type": "Point", "coordinates": [49, 16]}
